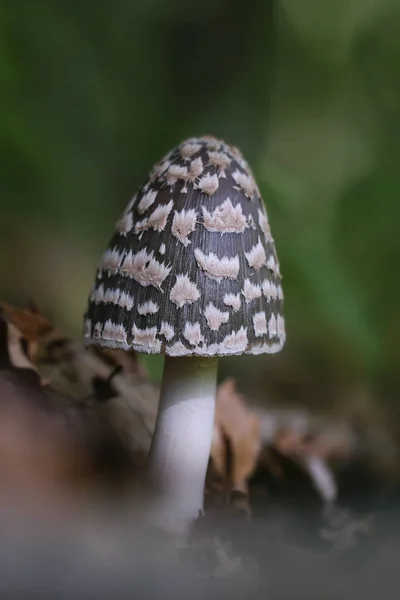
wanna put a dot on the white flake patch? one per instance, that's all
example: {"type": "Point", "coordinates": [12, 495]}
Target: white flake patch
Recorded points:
{"type": "Point", "coordinates": [184, 291]}
{"type": "Point", "coordinates": [177, 349]}
{"type": "Point", "coordinates": [263, 221]}
{"type": "Point", "coordinates": [145, 269]}
{"type": "Point", "coordinates": [187, 150]}
{"type": "Point", "coordinates": [280, 292]}
{"type": "Point", "coordinates": [97, 294]}
{"type": "Point", "coordinates": [217, 268]}
{"type": "Point", "coordinates": [113, 332]}
{"type": "Point", "coordinates": [141, 226]}
{"type": "Point", "coordinates": [212, 142]}
{"type": "Point", "coordinates": [111, 296]}
{"type": "Point", "coordinates": [232, 300]}
{"type": "Point", "coordinates": [235, 342]}
{"type": "Point", "coordinates": [146, 338]}
{"type": "Point", "coordinates": [124, 225]}
{"type": "Point", "coordinates": [220, 160]}
{"type": "Point", "coordinates": [148, 308]}
{"type": "Point", "coordinates": [215, 317]}
{"type": "Point", "coordinates": [146, 201]}
{"type": "Point", "coordinates": [167, 330]}
{"type": "Point", "coordinates": [111, 260]}
{"type": "Point", "coordinates": [192, 332]}
{"type": "Point", "coordinates": [245, 182]}
{"type": "Point", "coordinates": [269, 290]}
{"type": "Point", "coordinates": [97, 329]}
{"type": "Point", "coordinates": [208, 184]}
{"type": "Point", "coordinates": [162, 249]}
{"type": "Point", "coordinates": [226, 218]}
{"type": "Point", "coordinates": [251, 291]}
{"type": "Point", "coordinates": [267, 348]}
{"type": "Point", "coordinates": [175, 173]}
{"type": "Point", "coordinates": [183, 224]}
{"type": "Point", "coordinates": [260, 324]}
{"type": "Point", "coordinates": [125, 300]}
{"type": "Point", "coordinates": [272, 327]}
{"type": "Point", "coordinates": [108, 330]}
{"type": "Point", "coordinates": [161, 167]}
{"type": "Point", "coordinates": [273, 265]}
{"type": "Point", "coordinates": [211, 350]}
{"type": "Point", "coordinates": [256, 257]}
{"type": "Point", "coordinates": [281, 326]}
{"type": "Point", "coordinates": [87, 329]}
{"type": "Point", "coordinates": [195, 169]}
{"type": "Point", "coordinates": [157, 220]}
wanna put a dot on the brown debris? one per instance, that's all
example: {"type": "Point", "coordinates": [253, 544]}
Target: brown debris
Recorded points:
{"type": "Point", "coordinates": [46, 441]}
{"type": "Point", "coordinates": [76, 373]}
{"type": "Point", "coordinates": [236, 443]}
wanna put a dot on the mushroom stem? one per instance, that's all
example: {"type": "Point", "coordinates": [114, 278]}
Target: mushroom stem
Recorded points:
{"type": "Point", "coordinates": [181, 444]}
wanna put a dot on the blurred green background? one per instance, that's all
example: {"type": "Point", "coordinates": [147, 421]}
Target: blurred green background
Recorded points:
{"type": "Point", "coordinates": [93, 93]}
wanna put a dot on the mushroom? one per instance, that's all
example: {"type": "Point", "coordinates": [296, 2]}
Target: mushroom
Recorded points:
{"type": "Point", "coordinates": [191, 272]}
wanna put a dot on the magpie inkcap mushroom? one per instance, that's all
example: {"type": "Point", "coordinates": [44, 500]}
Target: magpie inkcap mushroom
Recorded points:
{"type": "Point", "coordinates": [190, 272]}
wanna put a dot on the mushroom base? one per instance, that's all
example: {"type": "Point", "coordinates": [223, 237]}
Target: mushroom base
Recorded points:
{"type": "Point", "coordinates": [181, 444]}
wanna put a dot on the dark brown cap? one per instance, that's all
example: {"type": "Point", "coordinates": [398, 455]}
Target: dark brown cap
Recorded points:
{"type": "Point", "coordinates": [192, 267]}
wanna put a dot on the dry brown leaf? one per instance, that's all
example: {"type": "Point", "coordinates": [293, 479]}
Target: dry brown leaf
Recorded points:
{"type": "Point", "coordinates": [236, 426]}
{"type": "Point", "coordinates": [74, 371]}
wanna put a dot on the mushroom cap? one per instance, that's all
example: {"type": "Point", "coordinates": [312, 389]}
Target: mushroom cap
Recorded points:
{"type": "Point", "coordinates": [191, 268]}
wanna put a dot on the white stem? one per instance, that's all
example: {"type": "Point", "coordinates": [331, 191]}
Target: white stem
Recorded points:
{"type": "Point", "coordinates": [182, 438]}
